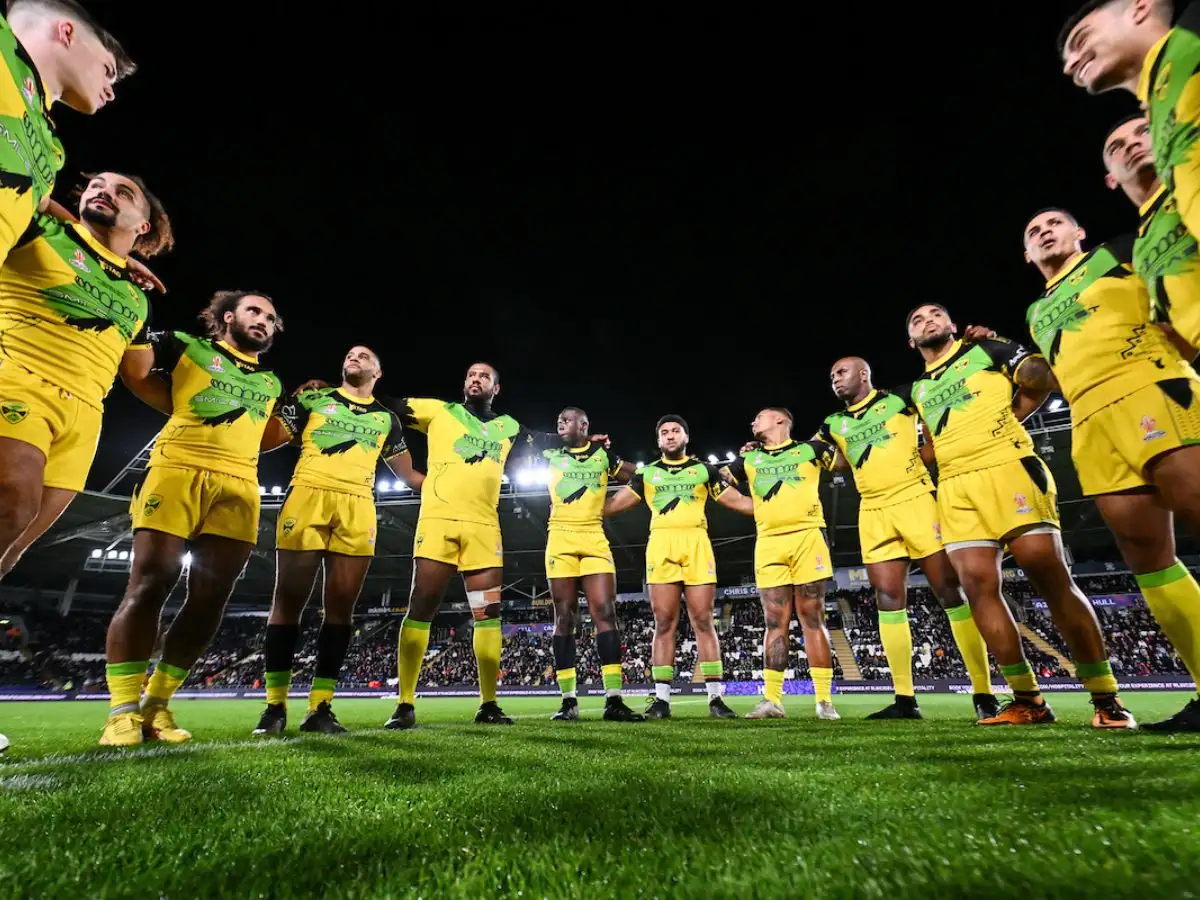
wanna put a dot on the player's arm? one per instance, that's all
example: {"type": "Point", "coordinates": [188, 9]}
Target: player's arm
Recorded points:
{"type": "Point", "coordinates": [414, 412]}
{"type": "Point", "coordinates": [925, 445]}
{"type": "Point", "coordinates": [724, 485]}
{"type": "Point", "coordinates": [1186, 350]}
{"type": "Point", "coordinates": [619, 470]}
{"type": "Point", "coordinates": [146, 367]}
{"type": "Point", "coordinates": [397, 458]}
{"type": "Point", "coordinates": [285, 425]}
{"type": "Point", "coordinates": [839, 462]}
{"type": "Point", "coordinates": [627, 497]}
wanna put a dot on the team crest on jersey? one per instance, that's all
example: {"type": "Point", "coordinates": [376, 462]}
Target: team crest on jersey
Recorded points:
{"type": "Point", "coordinates": [1078, 275]}
{"type": "Point", "coordinates": [1149, 431]}
{"type": "Point", "coordinates": [1022, 503]}
{"type": "Point", "coordinates": [1162, 82]}
{"type": "Point", "coordinates": [288, 525]}
{"type": "Point", "coordinates": [79, 261]}
{"type": "Point", "coordinates": [29, 89]}
{"type": "Point", "coordinates": [13, 411]}
{"type": "Point", "coordinates": [880, 408]}
{"type": "Point", "coordinates": [961, 364]}
{"type": "Point", "coordinates": [153, 502]}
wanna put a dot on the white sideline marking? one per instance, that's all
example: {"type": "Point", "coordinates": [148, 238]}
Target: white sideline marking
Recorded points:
{"type": "Point", "coordinates": [157, 750]}
{"type": "Point", "coordinates": [29, 783]}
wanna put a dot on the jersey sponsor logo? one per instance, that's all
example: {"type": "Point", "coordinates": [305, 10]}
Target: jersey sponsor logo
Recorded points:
{"type": "Point", "coordinates": [79, 261]}
{"type": "Point", "coordinates": [474, 449]}
{"type": "Point", "coordinates": [1149, 431]}
{"type": "Point", "coordinates": [152, 503]}
{"type": "Point", "coordinates": [1022, 503]}
{"type": "Point", "coordinates": [13, 411]}
{"type": "Point", "coordinates": [574, 476]}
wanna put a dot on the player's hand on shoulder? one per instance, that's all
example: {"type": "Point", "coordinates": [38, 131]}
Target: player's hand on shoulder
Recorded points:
{"type": "Point", "coordinates": [600, 438]}
{"type": "Point", "coordinates": [750, 445]}
{"type": "Point", "coordinates": [976, 333]}
{"type": "Point", "coordinates": [143, 277]}
{"type": "Point", "coordinates": [313, 384]}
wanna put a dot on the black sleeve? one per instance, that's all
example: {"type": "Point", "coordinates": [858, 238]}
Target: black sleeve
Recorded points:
{"type": "Point", "coordinates": [638, 483]}
{"type": "Point", "coordinates": [1007, 356]}
{"type": "Point", "coordinates": [904, 392]}
{"type": "Point", "coordinates": [394, 444]}
{"type": "Point", "coordinates": [824, 453]}
{"type": "Point", "coordinates": [142, 338]}
{"type": "Point", "coordinates": [717, 484]}
{"type": "Point", "coordinates": [293, 414]}
{"type": "Point", "coordinates": [1122, 248]}
{"type": "Point", "coordinates": [615, 461]}
{"type": "Point", "coordinates": [538, 441]}
{"type": "Point", "coordinates": [168, 349]}
{"type": "Point", "coordinates": [824, 431]}
{"type": "Point", "coordinates": [737, 470]}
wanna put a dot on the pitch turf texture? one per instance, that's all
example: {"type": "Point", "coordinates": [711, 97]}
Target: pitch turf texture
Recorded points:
{"type": "Point", "coordinates": [690, 807]}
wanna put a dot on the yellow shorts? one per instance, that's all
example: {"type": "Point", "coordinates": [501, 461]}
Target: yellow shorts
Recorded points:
{"type": "Point", "coordinates": [468, 546]}
{"type": "Point", "coordinates": [988, 505]}
{"type": "Point", "coordinates": [43, 415]}
{"type": "Point", "coordinates": [574, 554]}
{"type": "Point", "coordinates": [317, 519]}
{"type": "Point", "coordinates": [1112, 447]}
{"type": "Point", "coordinates": [906, 530]}
{"type": "Point", "coordinates": [676, 555]}
{"type": "Point", "coordinates": [190, 502]}
{"type": "Point", "coordinates": [16, 212]}
{"type": "Point", "coordinates": [800, 557]}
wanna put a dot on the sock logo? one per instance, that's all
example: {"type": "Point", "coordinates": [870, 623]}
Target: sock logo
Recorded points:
{"type": "Point", "coordinates": [152, 504]}
{"type": "Point", "coordinates": [289, 524]}
{"type": "Point", "coordinates": [13, 411]}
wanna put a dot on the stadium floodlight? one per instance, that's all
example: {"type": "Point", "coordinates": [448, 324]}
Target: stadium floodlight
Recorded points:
{"type": "Point", "coordinates": [399, 485]}
{"type": "Point", "coordinates": [187, 559]}
{"type": "Point", "coordinates": [112, 554]}
{"type": "Point", "coordinates": [639, 465]}
{"type": "Point", "coordinates": [712, 458]}
{"type": "Point", "coordinates": [384, 486]}
{"type": "Point", "coordinates": [729, 457]}
{"type": "Point", "coordinates": [1055, 405]}
{"type": "Point", "coordinates": [276, 489]}
{"type": "Point", "coordinates": [123, 555]}
{"type": "Point", "coordinates": [504, 478]}
{"type": "Point", "coordinates": [262, 489]}
{"type": "Point", "coordinates": [97, 553]}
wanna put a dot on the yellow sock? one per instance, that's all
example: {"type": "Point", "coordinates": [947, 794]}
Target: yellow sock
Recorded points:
{"type": "Point", "coordinates": [1097, 677]}
{"type": "Point", "coordinates": [822, 683]}
{"type": "Point", "coordinates": [896, 637]}
{"type": "Point", "coordinates": [164, 683]}
{"type": "Point", "coordinates": [971, 647]}
{"type": "Point", "coordinates": [1021, 679]}
{"type": "Point", "coordinates": [414, 641]}
{"type": "Point", "coordinates": [125, 685]}
{"type": "Point", "coordinates": [773, 687]}
{"type": "Point", "coordinates": [278, 685]}
{"type": "Point", "coordinates": [321, 692]}
{"type": "Point", "coordinates": [487, 643]}
{"type": "Point", "coordinates": [1174, 599]}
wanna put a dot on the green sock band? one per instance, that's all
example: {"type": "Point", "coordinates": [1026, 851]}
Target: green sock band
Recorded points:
{"type": "Point", "coordinates": [278, 679]}
{"type": "Point", "coordinates": [1021, 668]}
{"type": "Point", "coordinates": [173, 671]}
{"type": "Point", "coordinates": [1162, 579]}
{"type": "Point", "coordinates": [663, 673]}
{"type": "Point", "coordinates": [612, 677]}
{"type": "Point", "coordinates": [712, 669]}
{"type": "Point", "coordinates": [1093, 670]}
{"type": "Point", "coordinates": [959, 613]}
{"type": "Point", "coordinates": [482, 623]}
{"type": "Point", "coordinates": [893, 617]}
{"type": "Point", "coordinates": [324, 684]}
{"type": "Point", "coordinates": [120, 670]}
{"type": "Point", "coordinates": [415, 623]}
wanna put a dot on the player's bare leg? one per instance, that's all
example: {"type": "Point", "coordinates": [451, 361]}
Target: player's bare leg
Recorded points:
{"type": "Point", "coordinates": [777, 614]}
{"type": "Point", "coordinates": [564, 593]}
{"type": "Point", "coordinates": [429, 582]}
{"type": "Point", "coordinates": [601, 591]}
{"type": "Point", "coordinates": [978, 569]}
{"type": "Point", "coordinates": [810, 610]}
{"type": "Point", "coordinates": [483, 596]}
{"type": "Point", "coordinates": [54, 502]}
{"type": "Point", "coordinates": [890, 581]}
{"type": "Point", "coordinates": [216, 564]}
{"type": "Point", "coordinates": [295, 573]}
{"type": "Point", "coordinates": [1143, 527]}
{"type": "Point", "coordinates": [22, 469]}
{"type": "Point", "coordinates": [132, 633]}
{"type": "Point", "coordinates": [943, 580]}
{"type": "Point", "coordinates": [665, 603]}
{"type": "Point", "coordinates": [700, 599]}
{"type": "Point", "coordinates": [344, 577]}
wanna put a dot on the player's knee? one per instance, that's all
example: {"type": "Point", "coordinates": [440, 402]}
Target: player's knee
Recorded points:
{"type": "Point", "coordinates": [703, 624]}
{"type": "Point", "coordinates": [19, 503]}
{"type": "Point", "coordinates": [564, 620]}
{"type": "Point", "coordinates": [604, 612]}
{"type": "Point", "coordinates": [664, 627]}
{"type": "Point", "coordinates": [888, 600]}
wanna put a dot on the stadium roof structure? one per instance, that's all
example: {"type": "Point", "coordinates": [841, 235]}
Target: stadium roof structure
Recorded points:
{"type": "Point", "coordinates": [91, 542]}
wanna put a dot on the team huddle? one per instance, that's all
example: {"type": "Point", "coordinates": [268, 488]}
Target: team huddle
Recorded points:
{"type": "Point", "coordinates": [1115, 332]}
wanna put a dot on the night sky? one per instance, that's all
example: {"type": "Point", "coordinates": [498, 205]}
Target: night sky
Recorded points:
{"type": "Point", "coordinates": [638, 217]}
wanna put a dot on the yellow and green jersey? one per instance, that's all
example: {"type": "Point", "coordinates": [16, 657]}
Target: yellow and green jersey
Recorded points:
{"type": "Point", "coordinates": [965, 400]}
{"type": "Point", "coordinates": [68, 311]}
{"type": "Point", "coordinates": [878, 437]}
{"type": "Point", "coordinates": [579, 484]}
{"type": "Point", "coordinates": [467, 453]}
{"type": "Point", "coordinates": [1165, 258]}
{"type": "Point", "coordinates": [784, 484]}
{"type": "Point", "coordinates": [677, 490]}
{"type": "Point", "coordinates": [341, 437]}
{"type": "Point", "coordinates": [1092, 324]}
{"type": "Point", "coordinates": [222, 401]}
{"type": "Point", "coordinates": [31, 154]}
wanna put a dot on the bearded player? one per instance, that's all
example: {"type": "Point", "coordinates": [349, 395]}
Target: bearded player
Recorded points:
{"type": "Point", "coordinates": [200, 493]}
{"type": "Point", "coordinates": [326, 527]}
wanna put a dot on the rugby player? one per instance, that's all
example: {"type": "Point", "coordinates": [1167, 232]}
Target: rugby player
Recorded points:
{"type": "Point", "coordinates": [199, 493]}
{"type": "Point", "coordinates": [1130, 44]}
{"type": "Point", "coordinates": [70, 318]}
{"type": "Point", "coordinates": [578, 557]}
{"type": "Point", "coordinates": [458, 529]}
{"type": "Point", "coordinates": [993, 492]}
{"type": "Point", "coordinates": [327, 526]}
{"type": "Point", "coordinates": [680, 566]}
{"type": "Point", "coordinates": [1135, 432]}
{"type": "Point", "coordinates": [791, 556]}
{"type": "Point", "coordinates": [877, 439]}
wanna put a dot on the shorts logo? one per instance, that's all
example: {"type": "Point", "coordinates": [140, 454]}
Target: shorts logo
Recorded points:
{"type": "Point", "coordinates": [550, 565]}
{"type": "Point", "coordinates": [820, 566]}
{"type": "Point", "coordinates": [420, 539]}
{"type": "Point", "coordinates": [13, 411]}
{"type": "Point", "coordinates": [1150, 433]}
{"type": "Point", "coordinates": [499, 549]}
{"type": "Point", "coordinates": [371, 537]}
{"type": "Point", "coordinates": [153, 502]}
{"type": "Point", "coordinates": [712, 568]}
{"type": "Point", "coordinates": [288, 525]}
{"type": "Point", "coordinates": [1022, 504]}
{"type": "Point", "coordinates": [937, 530]}
{"type": "Point", "coordinates": [79, 261]}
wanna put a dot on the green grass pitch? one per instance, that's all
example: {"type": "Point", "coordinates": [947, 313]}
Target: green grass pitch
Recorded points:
{"type": "Point", "coordinates": [690, 807]}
